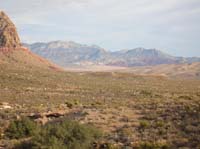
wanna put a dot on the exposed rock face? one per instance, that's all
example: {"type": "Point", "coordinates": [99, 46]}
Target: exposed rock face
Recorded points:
{"type": "Point", "coordinates": [12, 54]}
{"type": "Point", "coordinates": [8, 33]}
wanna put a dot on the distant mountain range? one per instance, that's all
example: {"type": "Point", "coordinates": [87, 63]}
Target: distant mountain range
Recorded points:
{"type": "Point", "coordinates": [68, 53]}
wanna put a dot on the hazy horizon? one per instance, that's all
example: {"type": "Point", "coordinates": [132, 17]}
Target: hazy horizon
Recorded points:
{"type": "Point", "coordinates": [169, 25]}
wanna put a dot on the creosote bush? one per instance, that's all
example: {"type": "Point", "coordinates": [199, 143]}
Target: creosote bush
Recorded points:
{"type": "Point", "coordinates": [150, 145]}
{"type": "Point", "coordinates": [21, 128]}
{"type": "Point", "coordinates": [144, 124]}
{"type": "Point", "coordinates": [62, 134]}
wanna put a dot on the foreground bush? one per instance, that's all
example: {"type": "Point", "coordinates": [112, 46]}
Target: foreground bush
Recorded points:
{"type": "Point", "coordinates": [62, 135]}
{"type": "Point", "coordinates": [21, 128]}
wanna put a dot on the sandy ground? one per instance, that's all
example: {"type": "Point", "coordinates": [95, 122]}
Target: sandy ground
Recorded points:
{"type": "Point", "coordinates": [95, 68]}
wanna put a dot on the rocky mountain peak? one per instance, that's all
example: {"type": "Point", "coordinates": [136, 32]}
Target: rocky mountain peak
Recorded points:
{"type": "Point", "coordinates": [8, 34]}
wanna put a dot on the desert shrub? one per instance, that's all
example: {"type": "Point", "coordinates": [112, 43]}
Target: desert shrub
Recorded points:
{"type": "Point", "coordinates": [1, 133]}
{"type": "Point", "coordinates": [185, 97]}
{"type": "Point", "coordinates": [63, 134]}
{"type": "Point", "coordinates": [69, 104]}
{"type": "Point", "coordinates": [21, 128]}
{"type": "Point", "coordinates": [146, 93]}
{"type": "Point", "coordinates": [144, 124]}
{"type": "Point", "coordinates": [151, 145]}
{"type": "Point", "coordinates": [4, 115]}
{"type": "Point", "coordinates": [126, 132]}
{"type": "Point", "coordinates": [159, 124]}
{"type": "Point", "coordinates": [106, 146]}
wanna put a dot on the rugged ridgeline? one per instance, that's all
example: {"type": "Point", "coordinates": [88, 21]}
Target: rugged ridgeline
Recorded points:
{"type": "Point", "coordinates": [141, 57]}
{"type": "Point", "coordinates": [71, 53]}
{"type": "Point", "coordinates": [11, 51]}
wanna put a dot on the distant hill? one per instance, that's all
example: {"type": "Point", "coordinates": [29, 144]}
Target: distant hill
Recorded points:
{"type": "Point", "coordinates": [187, 71]}
{"type": "Point", "coordinates": [141, 57]}
{"type": "Point", "coordinates": [68, 53]}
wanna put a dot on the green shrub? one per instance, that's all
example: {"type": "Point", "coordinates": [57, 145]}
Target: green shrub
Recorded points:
{"type": "Point", "coordinates": [63, 135]}
{"type": "Point", "coordinates": [146, 93]}
{"type": "Point", "coordinates": [150, 145]}
{"type": "Point", "coordinates": [144, 124]}
{"type": "Point", "coordinates": [127, 132]}
{"type": "Point", "coordinates": [159, 124]}
{"type": "Point", "coordinates": [185, 97]}
{"type": "Point", "coordinates": [21, 128]}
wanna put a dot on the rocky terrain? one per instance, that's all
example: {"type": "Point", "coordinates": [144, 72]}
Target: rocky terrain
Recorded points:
{"type": "Point", "coordinates": [12, 54]}
{"type": "Point", "coordinates": [73, 54]}
{"type": "Point", "coordinates": [8, 33]}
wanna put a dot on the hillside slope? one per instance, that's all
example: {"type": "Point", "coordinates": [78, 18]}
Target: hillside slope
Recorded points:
{"type": "Point", "coordinates": [179, 71]}
{"type": "Point", "coordinates": [12, 54]}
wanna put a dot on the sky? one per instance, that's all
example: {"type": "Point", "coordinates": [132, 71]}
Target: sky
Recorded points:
{"type": "Point", "coordinates": [172, 26]}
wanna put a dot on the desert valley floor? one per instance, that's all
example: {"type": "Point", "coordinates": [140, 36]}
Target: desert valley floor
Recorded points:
{"type": "Point", "coordinates": [130, 110]}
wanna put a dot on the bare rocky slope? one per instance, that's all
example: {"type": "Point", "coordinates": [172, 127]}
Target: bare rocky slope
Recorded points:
{"type": "Point", "coordinates": [12, 54]}
{"type": "Point", "coordinates": [8, 33]}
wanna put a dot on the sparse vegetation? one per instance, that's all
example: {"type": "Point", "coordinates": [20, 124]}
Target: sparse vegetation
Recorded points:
{"type": "Point", "coordinates": [133, 111]}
